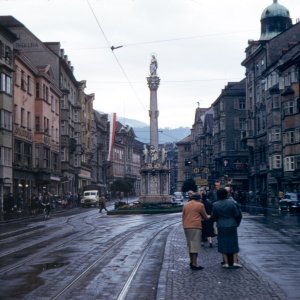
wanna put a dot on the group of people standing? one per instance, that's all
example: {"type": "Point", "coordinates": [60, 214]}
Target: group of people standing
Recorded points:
{"type": "Point", "coordinates": [205, 216]}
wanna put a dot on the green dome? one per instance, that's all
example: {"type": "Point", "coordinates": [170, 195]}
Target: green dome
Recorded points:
{"type": "Point", "coordinates": [275, 19]}
{"type": "Point", "coordinates": [275, 10]}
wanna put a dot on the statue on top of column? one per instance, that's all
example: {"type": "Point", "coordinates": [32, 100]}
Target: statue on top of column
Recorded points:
{"type": "Point", "coordinates": [153, 66]}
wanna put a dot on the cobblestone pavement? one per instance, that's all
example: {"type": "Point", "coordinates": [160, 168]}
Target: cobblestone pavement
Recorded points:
{"type": "Point", "coordinates": [178, 281]}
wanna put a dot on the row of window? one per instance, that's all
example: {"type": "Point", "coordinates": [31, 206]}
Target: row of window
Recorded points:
{"type": "Point", "coordinates": [290, 163]}
{"type": "Point", "coordinates": [23, 153]}
{"type": "Point", "coordinates": [24, 118]}
{"type": "Point", "coordinates": [291, 137]}
{"type": "Point", "coordinates": [283, 81]}
{"type": "Point", "coordinates": [25, 81]}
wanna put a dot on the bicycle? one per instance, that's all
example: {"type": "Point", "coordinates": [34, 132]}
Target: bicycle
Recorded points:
{"type": "Point", "coordinates": [46, 211]}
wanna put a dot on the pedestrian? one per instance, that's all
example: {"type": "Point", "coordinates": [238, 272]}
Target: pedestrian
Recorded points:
{"type": "Point", "coordinates": [207, 225]}
{"type": "Point", "coordinates": [190, 193]}
{"type": "Point", "coordinates": [35, 204]}
{"type": "Point", "coordinates": [102, 204]}
{"type": "Point", "coordinates": [213, 193]}
{"type": "Point", "coordinates": [225, 212]}
{"type": "Point", "coordinates": [193, 213]}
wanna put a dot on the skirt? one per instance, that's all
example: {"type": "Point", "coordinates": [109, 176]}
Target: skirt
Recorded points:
{"type": "Point", "coordinates": [228, 240]}
{"type": "Point", "coordinates": [193, 239]}
{"type": "Point", "coordinates": [207, 229]}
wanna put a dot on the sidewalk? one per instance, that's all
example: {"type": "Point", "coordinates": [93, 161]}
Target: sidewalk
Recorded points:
{"type": "Point", "coordinates": [178, 281]}
{"type": "Point", "coordinates": [26, 214]}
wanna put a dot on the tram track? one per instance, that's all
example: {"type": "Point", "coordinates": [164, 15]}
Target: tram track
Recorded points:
{"type": "Point", "coordinates": [104, 245]}
{"type": "Point", "coordinates": [41, 243]}
{"type": "Point", "coordinates": [109, 255]}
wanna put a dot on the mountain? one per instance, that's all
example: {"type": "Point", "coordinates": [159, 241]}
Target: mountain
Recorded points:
{"type": "Point", "coordinates": [165, 135]}
{"type": "Point", "coordinates": [131, 122]}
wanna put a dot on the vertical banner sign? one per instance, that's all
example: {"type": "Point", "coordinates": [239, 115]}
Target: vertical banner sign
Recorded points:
{"type": "Point", "coordinates": [112, 132]}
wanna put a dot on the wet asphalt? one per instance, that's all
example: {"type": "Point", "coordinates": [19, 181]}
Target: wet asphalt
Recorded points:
{"type": "Point", "coordinates": [269, 252]}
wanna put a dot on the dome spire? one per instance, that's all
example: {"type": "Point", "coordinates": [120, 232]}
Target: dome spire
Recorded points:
{"type": "Point", "coordinates": [274, 20]}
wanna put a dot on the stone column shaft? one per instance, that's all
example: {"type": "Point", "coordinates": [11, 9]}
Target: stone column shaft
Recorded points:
{"type": "Point", "coordinates": [153, 83]}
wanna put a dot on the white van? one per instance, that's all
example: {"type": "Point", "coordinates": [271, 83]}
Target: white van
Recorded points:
{"type": "Point", "coordinates": [90, 198]}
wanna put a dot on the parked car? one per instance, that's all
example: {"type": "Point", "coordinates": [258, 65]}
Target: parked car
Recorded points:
{"type": "Point", "coordinates": [290, 202]}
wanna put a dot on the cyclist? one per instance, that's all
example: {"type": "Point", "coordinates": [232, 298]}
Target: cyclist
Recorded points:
{"type": "Point", "coordinates": [47, 206]}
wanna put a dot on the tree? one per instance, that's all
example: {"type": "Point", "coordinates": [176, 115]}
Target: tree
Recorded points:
{"type": "Point", "coordinates": [188, 185]}
{"type": "Point", "coordinates": [122, 185]}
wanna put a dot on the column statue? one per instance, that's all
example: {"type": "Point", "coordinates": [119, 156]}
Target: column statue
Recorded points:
{"type": "Point", "coordinates": [153, 66]}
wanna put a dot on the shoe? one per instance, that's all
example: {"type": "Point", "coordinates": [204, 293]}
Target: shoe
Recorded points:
{"type": "Point", "coordinates": [226, 266]}
{"type": "Point", "coordinates": [196, 268]}
{"type": "Point", "coordinates": [236, 265]}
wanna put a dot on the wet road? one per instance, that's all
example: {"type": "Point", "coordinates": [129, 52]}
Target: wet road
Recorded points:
{"type": "Point", "coordinates": [95, 256]}
{"type": "Point", "coordinates": [88, 255]}
{"type": "Point", "coordinates": [271, 244]}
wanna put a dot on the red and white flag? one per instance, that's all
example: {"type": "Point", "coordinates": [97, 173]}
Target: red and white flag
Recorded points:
{"type": "Point", "coordinates": [112, 132]}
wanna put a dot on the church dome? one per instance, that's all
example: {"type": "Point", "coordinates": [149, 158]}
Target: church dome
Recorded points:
{"type": "Point", "coordinates": [274, 20]}
{"type": "Point", "coordinates": [275, 10]}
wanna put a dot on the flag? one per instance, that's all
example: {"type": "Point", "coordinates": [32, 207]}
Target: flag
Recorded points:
{"type": "Point", "coordinates": [112, 132]}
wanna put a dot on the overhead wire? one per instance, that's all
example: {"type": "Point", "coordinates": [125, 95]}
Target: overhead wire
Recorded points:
{"type": "Point", "coordinates": [116, 58]}
{"type": "Point", "coordinates": [186, 38]}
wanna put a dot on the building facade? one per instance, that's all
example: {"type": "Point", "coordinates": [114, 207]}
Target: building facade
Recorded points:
{"type": "Point", "coordinates": [7, 39]}
{"type": "Point", "coordinates": [99, 159]}
{"type": "Point", "coordinates": [272, 80]}
{"type": "Point", "coordinates": [24, 182]}
{"type": "Point", "coordinates": [125, 162]}
{"type": "Point", "coordinates": [230, 154]}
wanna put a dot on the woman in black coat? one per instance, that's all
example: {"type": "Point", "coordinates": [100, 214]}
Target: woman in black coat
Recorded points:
{"type": "Point", "coordinates": [207, 225]}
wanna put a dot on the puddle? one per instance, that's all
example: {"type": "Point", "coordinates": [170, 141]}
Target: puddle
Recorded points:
{"type": "Point", "coordinates": [50, 266]}
{"type": "Point", "coordinates": [28, 279]}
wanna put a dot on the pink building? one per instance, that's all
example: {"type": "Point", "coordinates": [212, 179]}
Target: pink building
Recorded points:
{"type": "Point", "coordinates": [23, 131]}
{"type": "Point", "coordinates": [36, 131]}
{"type": "Point", "coordinates": [47, 134]}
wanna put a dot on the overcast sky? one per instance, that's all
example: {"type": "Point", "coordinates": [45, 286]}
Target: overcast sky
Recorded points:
{"type": "Point", "coordinates": [199, 45]}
